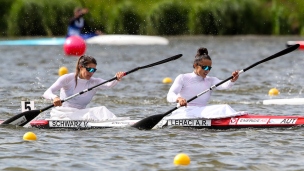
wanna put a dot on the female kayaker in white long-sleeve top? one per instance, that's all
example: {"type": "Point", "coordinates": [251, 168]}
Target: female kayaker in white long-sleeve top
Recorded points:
{"type": "Point", "coordinates": [70, 84]}
{"type": "Point", "coordinates": [188, 85]}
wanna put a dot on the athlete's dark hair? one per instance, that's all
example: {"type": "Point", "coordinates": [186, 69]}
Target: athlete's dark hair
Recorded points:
{"type": "Point", "coordinates": [83, 61]}
{"type": "Point", "coordinates": [202, 53]}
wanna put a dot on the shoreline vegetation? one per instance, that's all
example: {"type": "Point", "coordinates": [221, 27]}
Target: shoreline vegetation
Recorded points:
{"type": "Point", "coordinates": [157, 17]}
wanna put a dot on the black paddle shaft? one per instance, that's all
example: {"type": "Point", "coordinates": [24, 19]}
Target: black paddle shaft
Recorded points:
{"type": "Point", "coordinates": [25, 117]}
{"type": "Point", "coordinates": [149, 122]}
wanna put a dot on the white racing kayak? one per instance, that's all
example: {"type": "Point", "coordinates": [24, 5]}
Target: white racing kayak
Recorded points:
{"type": "Point", "coordinates": [118, 122]}
{"type": "Point", "coordinates": [127, 40]}
{"type": "Point", "coordinates": [241, 121]}
{"type": "Point", "coordinates": [300, 42]}
{"type": "Point", "coordinates": [293, 101]}
{"type": "Point", "coordinates": [111, 39]}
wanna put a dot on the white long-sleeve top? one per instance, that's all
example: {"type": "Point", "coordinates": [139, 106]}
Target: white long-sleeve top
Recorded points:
{"type": "Point", "coordinates": [189, 85]}
{"type": "Point", "coordinates": [66, 84]}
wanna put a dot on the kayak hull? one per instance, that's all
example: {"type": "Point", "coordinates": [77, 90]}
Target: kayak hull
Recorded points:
{"type": "Point", "coordinates": [293, 101]}
{"type": "Point", "coordinates": [82, 124]}
{"type": "Point", "coordinates": [243, 121]}
{"type": "Point", "coordinates": [291, 43]}
{"type": "Point", "coordinates": [114, 39]}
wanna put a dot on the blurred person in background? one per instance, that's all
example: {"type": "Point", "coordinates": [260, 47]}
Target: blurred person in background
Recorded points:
{"type": "Point", "coordinates": [77, 25]}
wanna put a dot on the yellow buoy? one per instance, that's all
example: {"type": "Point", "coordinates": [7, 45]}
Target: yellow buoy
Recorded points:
{"type": "Point", "coordinates": [29, 136]}
{"type": "Point", "coordinates": [273, 92]}
{"type": "Point", "coordinates": [167, 80]}
{"type": "Point", "coordinates": [62, 71]}
{"type": "Point", "coordinates": [181, 159]}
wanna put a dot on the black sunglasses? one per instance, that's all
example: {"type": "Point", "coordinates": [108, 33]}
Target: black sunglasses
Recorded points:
{"type": "Point", "coordinates": [206, 68]}
{"type": "Point", "coordinates": [90, 69]}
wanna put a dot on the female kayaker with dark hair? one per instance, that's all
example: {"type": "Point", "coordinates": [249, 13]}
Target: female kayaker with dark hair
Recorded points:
{"type": "Point", "coordinates": [188, 85]}
{"type": "Point", "coordinates": [70, 84]}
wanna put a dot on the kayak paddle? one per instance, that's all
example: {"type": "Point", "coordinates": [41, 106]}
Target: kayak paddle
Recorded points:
{"type": "Point", "coordinates": [25, 117]}
{"type": "Point", "coordinates": [149, 122]}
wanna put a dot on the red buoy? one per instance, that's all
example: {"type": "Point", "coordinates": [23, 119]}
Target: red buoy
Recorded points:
{"type": "Point", "coordinates": [74, 46]}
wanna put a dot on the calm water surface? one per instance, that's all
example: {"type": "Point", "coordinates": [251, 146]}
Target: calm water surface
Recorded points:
{"type": "Point", "coordinates": [27, 71]}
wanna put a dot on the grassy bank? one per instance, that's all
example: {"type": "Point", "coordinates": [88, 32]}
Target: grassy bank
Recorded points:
{"type": "Point", "coordinates": [158, 17]}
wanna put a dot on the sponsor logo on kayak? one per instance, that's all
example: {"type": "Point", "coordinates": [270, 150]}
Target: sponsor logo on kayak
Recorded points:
{"type": "Point", "coordinates": [284, 121]}
{"type": "Point", "coordinates": [233, 121]}
{"type": "Point", "coordinates": [252, 121]}
{"type": "Point", "coordinates": [189, 122]}
{"type": "Point", "coordinates": [68, 124]}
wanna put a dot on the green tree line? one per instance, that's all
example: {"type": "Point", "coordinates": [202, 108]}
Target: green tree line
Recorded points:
{"type": "Point", "coordinates": [157, 17]}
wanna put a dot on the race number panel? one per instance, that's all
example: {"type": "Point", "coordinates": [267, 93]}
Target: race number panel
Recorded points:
{"type": "Point", "coordinates": [26, 106]}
